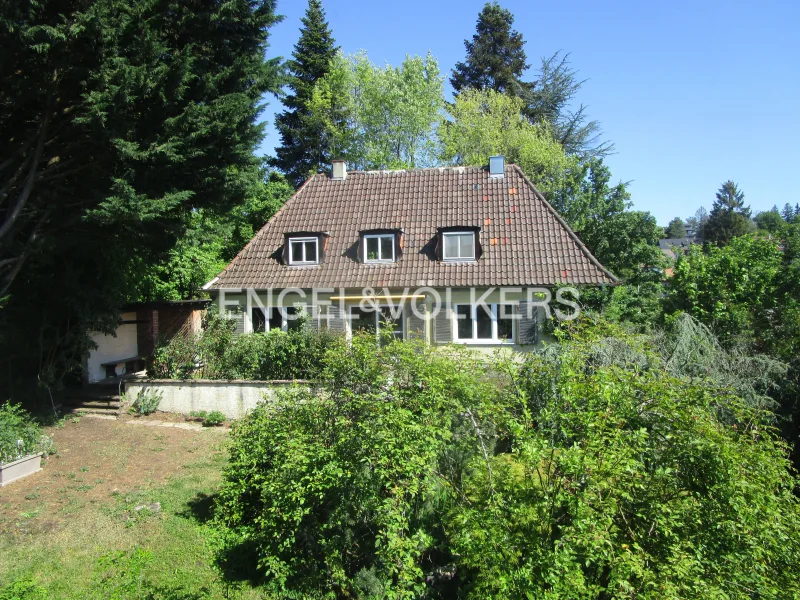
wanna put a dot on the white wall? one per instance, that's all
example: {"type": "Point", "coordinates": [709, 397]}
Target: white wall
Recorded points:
{"type": "Point", "coordinates": [111, 348]}
{"type": "Point", "coordinates": [232, 398]}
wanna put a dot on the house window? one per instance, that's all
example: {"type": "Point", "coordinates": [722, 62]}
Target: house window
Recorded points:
{"type": "Point", "coordinates": [379, 248]}
{"type": "Point", "coordinates": [303, 251]}
{"type": "Point", "coordinates": [284, 318]}
{"type": "Point", "coordinates": [484, 323]}
{"type": "Point", "coordinates": [378, 320]}
{"type": "Point", "coordinates": [459, 245]}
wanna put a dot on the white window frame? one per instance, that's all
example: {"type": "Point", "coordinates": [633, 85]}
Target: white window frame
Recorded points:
{"type": "Point", "coordinates": [377, 311]}
{"type": "Point", "coordinates": [495, 311]}
{"type": "Point", "coordinates": [446, 234]}
{"type": "Point", "coordinates": [284, 311]}
{"type": "Point", "coordinates": [378, 236]}
{"type": "Point", "coordinates": [292, 260]}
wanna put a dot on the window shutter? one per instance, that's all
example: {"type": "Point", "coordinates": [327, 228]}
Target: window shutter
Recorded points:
{"type": "Point", "coordinates": [313, 316]}
{"type": "Point", "coordinates": [236, 314]}
{"type": "Point", "coordinates": [528, 323]}
{"type": "Point", "coordinates": [443, 325]}
{"type": "Point", "coordinates": [336, 318]}
{"type": "Point", "coordinates": [416, 325]}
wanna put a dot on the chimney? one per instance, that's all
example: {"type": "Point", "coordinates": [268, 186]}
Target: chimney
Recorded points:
{"type": "Point", "coordinates": [339, 170]}
{"type": "Point", "coordinates": [497, 167]}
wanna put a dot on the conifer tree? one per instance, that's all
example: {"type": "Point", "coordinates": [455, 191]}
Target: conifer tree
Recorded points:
{"type": "Point", "coordinates": [495, 57]}
{"type": "Point", "coordinates": [303, 148]}
{"type": "Point", "coordinates": [729, 216]}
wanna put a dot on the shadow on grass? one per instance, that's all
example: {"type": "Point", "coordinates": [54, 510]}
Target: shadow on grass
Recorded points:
{"type": "Point", "coordinates": [237, 562]}
{"type": "Point", "coordinates": [200, 508]}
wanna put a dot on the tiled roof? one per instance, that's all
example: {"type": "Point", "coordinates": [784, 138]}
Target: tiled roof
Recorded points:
{"type": "Point", "coordinates": [525, 242]}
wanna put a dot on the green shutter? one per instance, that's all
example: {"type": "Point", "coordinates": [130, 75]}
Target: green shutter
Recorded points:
{"type": "Point", "coordinates": [443, 325]}
{"type": "Point", "coordinates": [528, 327]}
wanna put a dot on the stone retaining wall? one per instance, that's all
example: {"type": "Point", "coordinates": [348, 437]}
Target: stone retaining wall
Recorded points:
{"type": "Point", "coordinates": [233, 398]}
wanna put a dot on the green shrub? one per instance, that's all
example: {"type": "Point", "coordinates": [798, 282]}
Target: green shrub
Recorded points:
{"type": "Point", "coordinates": [23, 589]}
{"type": "Point", "coordinates": [146, 402]}
{"type": "Point", "coordinates": [589, 470]}
{"type": "Point", "coordinates": [20, 435]}
{"type": "Point", "coordinates": [214, 418]}
{"type": "Point", "coordinates": [217, 354]}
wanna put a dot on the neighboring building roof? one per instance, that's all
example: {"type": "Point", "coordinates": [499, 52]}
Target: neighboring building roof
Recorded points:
{"type": "Point", "coordinates": [525, 242]}
{"type": "Point", "coordinates": [669, 245]}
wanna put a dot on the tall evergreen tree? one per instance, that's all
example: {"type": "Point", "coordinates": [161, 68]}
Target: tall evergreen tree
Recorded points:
{"type": "Point", "coordinates": [304, 148]}
{"type": "Point", "coordinates": [118, 120]}
{"type": "Point", "coordinates": [495, 56]}
{"type": "Point", "coordinates": [729, 216]}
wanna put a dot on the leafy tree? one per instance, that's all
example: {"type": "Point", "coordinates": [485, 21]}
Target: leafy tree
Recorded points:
{"type": "Point", "coordinates": [495, 56]}
{"type": "Point", "coordinates": [622, 240]}
{"type": "Point", "coordinates": [210, 241]}
{"type": "Point", "coordinates": [380, 118]}
{"type": "Point", "coordinates": [676, 228]}
{"type": "Point", "coordinates": [729, 216]}
{"type": "Point", "coordinates": [119, 120]}
{"type": "Point", "coordinates": [483, 123]}
{"type": "Point", "coordinates": [303, 148]}
{"type": "Point", "coordinates": [728, 288]}
{"type": "Point", "coordinates": [770, 221]}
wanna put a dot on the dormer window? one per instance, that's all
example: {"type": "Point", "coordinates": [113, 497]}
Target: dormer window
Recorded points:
{"type": "Point", "coordinates": [458, 245]}
{"type": "Point", "coordinates": [379, 248]}
{"type": "Point", "coordinates": [303, 251]}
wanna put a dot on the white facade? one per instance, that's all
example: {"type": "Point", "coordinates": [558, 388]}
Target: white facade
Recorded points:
{"type": "Point", "coordinates": [110, 348]}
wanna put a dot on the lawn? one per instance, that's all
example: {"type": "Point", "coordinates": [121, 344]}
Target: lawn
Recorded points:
{"type": "Point", "coordinates": [120, 511]}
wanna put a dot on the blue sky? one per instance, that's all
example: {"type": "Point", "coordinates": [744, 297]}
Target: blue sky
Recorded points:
{"type": "Point", "coordinates": [691, 93]}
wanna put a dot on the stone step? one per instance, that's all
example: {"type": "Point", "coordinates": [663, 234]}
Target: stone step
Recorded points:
{"type": "Point", "coordinates": [114, 403]}
{"type": "Point", "coordinates": [91, 411]}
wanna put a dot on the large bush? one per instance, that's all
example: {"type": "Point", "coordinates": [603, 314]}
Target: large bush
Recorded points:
{"type": "Point", "coordinates": [414, 473]}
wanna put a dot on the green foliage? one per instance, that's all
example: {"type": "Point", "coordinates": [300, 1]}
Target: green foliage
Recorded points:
{"type": "Point", "coordinates": [486, 123]}
{"type": "Point", "coordinates": [602, 467]}
{"type": "Point", "coordinates": [730, 288]}
{"type": "Point", "coordinates": [495, 57]}
{"type": "Point", "coordinates": [638, 304]}
{"type": "Point", "coordinates": [624, 241]}
{"type": "Point", "coordinates": [23, 589]}
{"type": "Point", "coordinates": [379, 118]}
{"type": "Point", "coordinates": [304, 148]}
{"type": "Point", "coordinates": [119, 119]}
{"type": "Point", "coordinates": [209, 419]}
{"type": "Point", "coordinates": [676, 228]}
{"type": "Point", "coordinates": [146, 402]}
{"type": "Point", "coordinates": [770, 221]}
{"type": "Point", "coordinates": [339, 489]}
{"type": "Point", "coordinates": [20, 435]}
{"type": "Point", "coordinates": [216, 353]}
{"type": "Point", "coordinates": [210, 241]}
{"type": "Point", "coordinates": [729, 216]}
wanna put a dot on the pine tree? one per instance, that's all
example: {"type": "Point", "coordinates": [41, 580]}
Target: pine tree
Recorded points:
{"type": "Point", "coordinates": [495, 57]}
{"type": "Point", "coordinates": [729, 216]}
{"type": "Point", "coordinates": [303, 148]}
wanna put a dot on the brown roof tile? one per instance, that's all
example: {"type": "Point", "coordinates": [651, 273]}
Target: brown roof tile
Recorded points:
{"type": "Point", "coordinates": [525, 242]}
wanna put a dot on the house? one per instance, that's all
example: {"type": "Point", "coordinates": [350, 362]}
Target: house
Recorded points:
{"type": "Point", "coordinates": [142, 326]}
{"type": "Point", "coordinates": [672, 247]}
{"type": "Point", "coordinates": [457, 254]}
